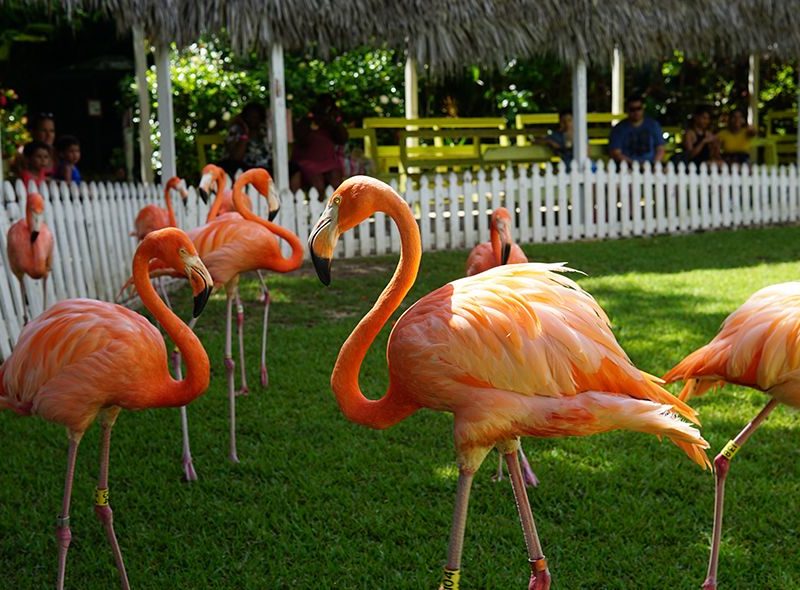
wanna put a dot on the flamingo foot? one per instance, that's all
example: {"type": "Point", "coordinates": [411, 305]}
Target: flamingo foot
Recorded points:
{"type": "Point", "coordinates": [540, 575]}
{"type": "Point", "coordinates": [233, 457]}
{"type": "Point", "coordinates": [188, 469]}
{"type": "Point", "coordinates": [710, 584]}
{"type": "Point", "coordinates": [243, 391]}
{"type": "Point", "coordinates": [264, 376]}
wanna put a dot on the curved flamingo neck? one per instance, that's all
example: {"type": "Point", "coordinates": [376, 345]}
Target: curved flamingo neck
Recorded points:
{"type": "Point", "coordinates": [391, 408]}
{"type": "Point", "coordinates": [173, 393]}
{"type": "Point", "coordinates": [281, 264]}
{"type": "Point", "coordinates": [217, 204]}
{"type": "Point", "coordinates": [497, 247]}
{"type": "Point", "coordinates": [170, 210]}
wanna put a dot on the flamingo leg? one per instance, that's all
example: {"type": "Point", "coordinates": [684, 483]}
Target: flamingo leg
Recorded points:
{"type": "Point", "coordinates": [188, 466]}
{"type": "Point", "coordinates": [240, 326]}
{"type": "Point", "coordinates": [529, 475]}
{"type": "Point", "coordinates": [721, 466]}
{"type": "Point", "coordinates": [499, 475]}
{"type": "Point", "coordinates": [63, 533]}
{"type": "Point", "coordinates": [44, 292]}
{"type": "Point", "coordinates": [101, 508]}
{"type": "Point", "coordinates": [452, 571]}
{"type": "Point", "coordinates": [25, 302]}
{"type": "Point", "coordinates": [264, 376]}
{"type": "Point", "coordinates": [540, 575]}
{"type": "Point", "coordinates": [230, 366]}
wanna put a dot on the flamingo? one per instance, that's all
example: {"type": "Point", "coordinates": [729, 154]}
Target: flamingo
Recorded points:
{"type": "Point", "coordinates": [757, 346]}
{"type": "Point", "coordinates": [499, 250]}
{"type": "Point", "coordinates": [83, 360]}
{"type": "Point", "coordinates": [215, 176]}
{"type": "Point", "coordinates": [152, 217]}
{"type": "Point", "coordinates": [230, 245]}
{"type": "Point", "coordinates": [30, 249]}
{"type": "Point", "coordinates": [519, 350]}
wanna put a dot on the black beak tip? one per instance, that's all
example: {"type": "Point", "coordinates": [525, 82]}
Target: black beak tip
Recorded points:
{"type": "Point", "coordinates": [273, 214]}
{"type": "Point", "coordinates": [323, 268]}
{"type": "Point", "coordinates": [203, 195]}
{"type": "Point", "coordinates": [200, 301]}
{"type": "Point", "coordinates": [34, 235]}
{"type": "Point", "coordinates": [506, 253]}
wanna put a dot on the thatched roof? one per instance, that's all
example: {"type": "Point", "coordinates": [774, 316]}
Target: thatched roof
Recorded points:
{"type": "Point", "coordinates": [446, 34]}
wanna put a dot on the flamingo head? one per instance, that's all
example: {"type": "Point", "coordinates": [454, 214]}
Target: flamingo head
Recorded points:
{"type": "Point", "coordinates": [355, 200]}
{"type": "Point", "coordinates": [175, 248]}
{"type": "Point", "coordinates": [34, 214]}
{"type": "Point", "coordinates": [262, 181]}
{"type": "Point", "coordinates": [501, 231]}
{"type": "Point", "coordinates": [179, 185]}
{"type": "Point", "coordinates": [211, 174]}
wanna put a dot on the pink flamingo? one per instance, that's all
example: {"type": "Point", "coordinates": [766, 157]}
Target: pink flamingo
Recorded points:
{"type": "Point", "coordinates": [518, 350]}
{"type": "Point", "coordinates": [152, 217]}
{"type": "Point", "coordinates": [214, 176]}
{"type": "Point", "coordinates": [83, 359]}
{"type": "Point", "coordinates": [757, 346]}
{"type": "Point", "coordinates": [231, 245]}
{"type": "Point", "coordinates": [30, 249]}
{"type": "Point", "coordinates": [499, 250]}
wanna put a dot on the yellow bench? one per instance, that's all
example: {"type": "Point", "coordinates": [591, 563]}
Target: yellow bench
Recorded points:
{"type": "Point", "coordinates": [779, 146]}
{"type": "Point", "coordinates": [599, 126]}
{"type": "Point", "coordinates": [203, 142]}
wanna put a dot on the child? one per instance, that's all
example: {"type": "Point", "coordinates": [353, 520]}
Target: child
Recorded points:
{"type": "Point", "coordinates": [68, 149]}
{"type": "Point", "coordinates": [37, 162]}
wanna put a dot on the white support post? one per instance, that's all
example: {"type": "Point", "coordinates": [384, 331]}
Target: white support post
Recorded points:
{"type": "Point", "coordinates": [2, 172]}
{"type": "Point", "coordinates": [140, 61]}
{"type": "Point", "coordinates": [753, 89]}
{"type": "Point", "coordinates": [580, 132]}
{"type": "Point", "coordinates": [280, 138]}
{"type": "Point", "coordinates": [797, 106]}
{"type": "Point", "coordinates": [411, 95]}
{"type": "Point", "coordinates": [618, 82]}
{"type": "Point", "coordinates": [166, 121]}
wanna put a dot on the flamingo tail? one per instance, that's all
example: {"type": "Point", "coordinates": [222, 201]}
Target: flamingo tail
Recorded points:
{"type": "Point", "coordinates": [23, 409]}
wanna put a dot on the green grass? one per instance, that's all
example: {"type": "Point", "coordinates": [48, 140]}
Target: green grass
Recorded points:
{"type": "Point", "coordinates": [320, 503]}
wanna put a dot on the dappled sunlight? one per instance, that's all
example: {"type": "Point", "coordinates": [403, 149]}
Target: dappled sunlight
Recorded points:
{"type": "Point", "coordinates": [447, 472]}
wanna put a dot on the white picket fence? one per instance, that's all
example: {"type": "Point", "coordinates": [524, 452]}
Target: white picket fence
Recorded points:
{"type": "Point", "coordinates": [93, 251]}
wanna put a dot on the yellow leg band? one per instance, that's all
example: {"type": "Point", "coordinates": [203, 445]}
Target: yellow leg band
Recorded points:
{"type": "Point", "coordinates": [450, 579]}
{"type": "Point", "coordinates": [101, 497]}
{"type": "Point", "coordinates": [539, 565]}
{"type": "Point", "coordinates": [730, 450]}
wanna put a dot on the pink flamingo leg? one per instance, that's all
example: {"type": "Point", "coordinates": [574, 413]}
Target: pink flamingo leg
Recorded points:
{"type": "Point", "coordinates": [240, 326]}
{"type": "Point", "coordinates": [188, 467]}
{"type": "Point", "coordinates": [162, 288]}
{"type": "Point", "coordinates": [102, 508]}
{"type": "Point", "coordinates": [44, 292]}
{"type": "Point", "coordinates": [264, 375]}
{"type": "Point", "coordinates": [540, 575]}
{"type": "Point", "coordinates": [529, 476]}
{"type": "Point", "coordinates": [721, 466]}
{"type": "Point", "coordinates": [25, 302]}
{"type": "Point", "coordinates": [499, 476]}
{"type": "Point", "coordinates": [230, 365]}
{"type": "Point", "coordinates": [452, 570]}
{"type": "Point", "coordinates": [63, 533]}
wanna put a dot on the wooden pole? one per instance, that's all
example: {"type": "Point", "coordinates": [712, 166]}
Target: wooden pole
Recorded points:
{"type": "Point", "coordinates": [166, 121]}
{"type": "Point", "coordinates": [280, 138]}
{"type": "Point", "coordinates": [140, 61]}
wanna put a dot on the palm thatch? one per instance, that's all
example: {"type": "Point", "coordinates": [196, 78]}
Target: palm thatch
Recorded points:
{"type": "Point", "coordinates": [447, 34]}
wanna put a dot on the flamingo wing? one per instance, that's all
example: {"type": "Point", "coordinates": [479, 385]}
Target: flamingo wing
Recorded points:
{"type": "Point", "coordinates": [758, 346]}
{"type": "Point", "coordinates": [150, 218]}
{"type": "Point", "coordinates": [481, 258]}
{"type": "Point", "coordinates": [80, 356]}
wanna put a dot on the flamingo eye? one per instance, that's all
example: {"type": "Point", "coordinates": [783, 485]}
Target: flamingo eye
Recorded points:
{"type": "Point", "coordinates": [337, 199]}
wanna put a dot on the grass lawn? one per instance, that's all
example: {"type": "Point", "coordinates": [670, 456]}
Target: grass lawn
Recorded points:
{"type": "Point", "coordinates": [320, 503]}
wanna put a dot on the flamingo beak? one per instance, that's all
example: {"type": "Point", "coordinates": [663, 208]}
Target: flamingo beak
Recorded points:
{"type": "Point", "coordinates": [273, 201]}
{"type": "Point", "coordinates": [184, 194]}
{"type": "Point", "coordinates": [201, 281]}
{"type": "Point", "coordinates": [322, 243]}
{"type": "Point", "coordinates": [205, 186]}
{"type": "Point", "coordinates": [34, 235]}
{"type": "Point", "coordinates": [36, 224]}
{"type": "Point", "coordinates": [505, 241]}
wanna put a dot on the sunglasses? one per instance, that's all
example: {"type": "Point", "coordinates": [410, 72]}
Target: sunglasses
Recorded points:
{"type": "Point", "coordinates": [634, 109]}
{"type": "Point", "coordinates": [44, 115]}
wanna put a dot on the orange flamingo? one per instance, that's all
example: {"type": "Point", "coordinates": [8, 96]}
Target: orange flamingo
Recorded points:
{"type": "Point", "coordinates": [152, 217]}
{"type": "Point", "coordinates": [519, 350]}
{"type": "Point", "coordinates": [757, 346]}
{"type": "Point", "coordinates": [230, 245]}
{"type": "Point", "coordinates": [499, 250]}
{"type": "Point", "coordinates": [214, 176]}
{"type": "Point", "coordinates": [30, 249]}
{"type": "Point", "coordinates": [83, 359]}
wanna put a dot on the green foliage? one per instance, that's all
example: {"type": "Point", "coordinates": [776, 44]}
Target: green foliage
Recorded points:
{"type": "Point", "coordinates": [13, 123]}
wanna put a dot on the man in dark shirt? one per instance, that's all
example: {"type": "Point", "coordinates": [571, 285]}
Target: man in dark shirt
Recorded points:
{"type": "Point", "coordinates": [638, 138]}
